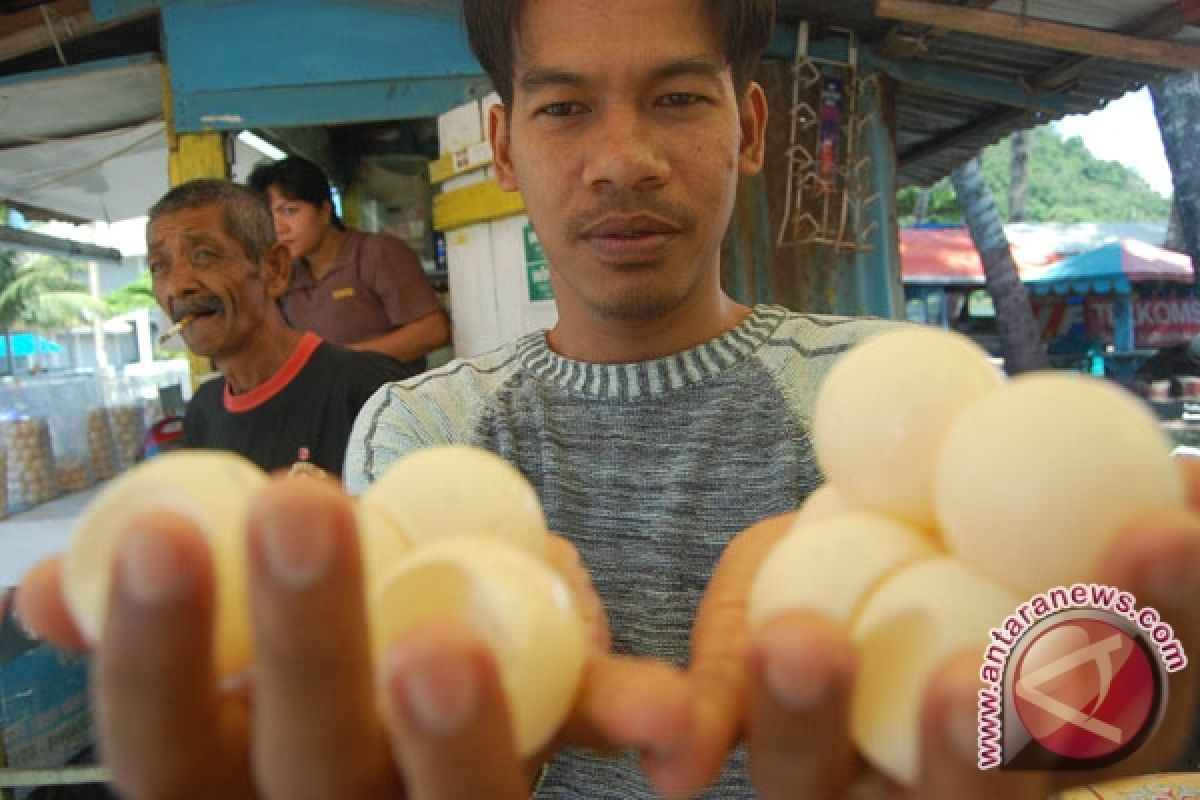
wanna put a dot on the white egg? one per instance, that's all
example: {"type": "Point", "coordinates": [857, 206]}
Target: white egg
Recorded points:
{"type": "Point", "coordinates": [1035, 480]}
{"type": "Point", "coordinates": [382, 544]}
{"type": "Point", "coordinates": [908, 627]}
{"type": "Point", "coordinates": [829, 564]}
{"type": "Point", "coordinates": [212, 488]}
{"type": "Point", "coordinates": [455, 490]}
{"type": "Point", "coordinates": [521, 608]}
{"type": "Point", "coordinates": [883, 409]}
{"type": "Point", "coordinates": [822, 502]}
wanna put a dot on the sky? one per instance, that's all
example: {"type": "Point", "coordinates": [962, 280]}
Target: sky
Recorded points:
{"type": "Point", "coordinates": [1124, 131]}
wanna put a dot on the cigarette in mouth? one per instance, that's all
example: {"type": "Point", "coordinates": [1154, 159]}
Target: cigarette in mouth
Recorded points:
{"type": "Point", "coordinates": [174, 329]}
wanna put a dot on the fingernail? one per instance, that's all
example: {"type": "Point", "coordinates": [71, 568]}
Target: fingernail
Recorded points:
{"type": "Point", "coordinates": [441, 690]}
{"type": "Point", "coordinates": [152, 569]}
{"type": "Point", "coordinates": [1172, 582]}
{"type": "Point", "coordinates": [962, 731]}
{"type": "Point", "coordinates": [297, 546]}
{"type": "Point", "coordinates": [792, 682]}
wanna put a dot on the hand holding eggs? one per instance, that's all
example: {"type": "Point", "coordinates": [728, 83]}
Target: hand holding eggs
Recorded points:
{"type": "Point", "coordinates": [451, 533]}
{"type": "Point", "coordinates": [958, 495]}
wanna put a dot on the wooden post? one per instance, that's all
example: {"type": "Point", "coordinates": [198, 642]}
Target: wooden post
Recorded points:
{"type": "Point", "coordinates": [191, 156]}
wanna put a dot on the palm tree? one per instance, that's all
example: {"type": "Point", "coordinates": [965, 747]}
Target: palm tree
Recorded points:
{"type": "Point", "coordinates": [1020, 339]}
{"type": "Point", "coordinates": [1018, 188]}
{"type": "Point", "coordinates": [1177, 107]}
{"type": "Point", "coordinates": [40, 293]}
{"type": "Point", "coordinates": [138, 293]}
{"type": "Point", "coordinates": [921, 207]}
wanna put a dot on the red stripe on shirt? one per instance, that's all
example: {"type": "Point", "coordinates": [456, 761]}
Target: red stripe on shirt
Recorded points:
{"type": "Point", "coordinates": [235, 403]}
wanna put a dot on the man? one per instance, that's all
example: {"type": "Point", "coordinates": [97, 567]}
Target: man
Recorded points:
{"type": "Point", "coordinates": [658, 418]}
{"type": "Point", "coordinates": [283, 397]}
{"type": "Point", "coordinates": [627, 124]}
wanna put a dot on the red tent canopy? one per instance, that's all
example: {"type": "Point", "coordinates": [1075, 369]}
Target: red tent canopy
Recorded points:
{"type": "Point", "coordinates": [947, 256]}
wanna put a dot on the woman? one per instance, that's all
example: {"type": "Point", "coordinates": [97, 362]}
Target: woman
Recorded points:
{"type": "Point", "coordinates": [365, 291]}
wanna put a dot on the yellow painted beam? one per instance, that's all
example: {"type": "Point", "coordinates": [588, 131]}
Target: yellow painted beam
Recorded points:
{"type": "Point", "coordinates": [191, 156]}
{"type": "Point", "coordinates": [196, 155]}
{"type": "Point", "coordinates": [442, 169]}
{"type": "Point", "coordinates": [479, 202]}
{"type": "Point", "coordinates": [468, 159]}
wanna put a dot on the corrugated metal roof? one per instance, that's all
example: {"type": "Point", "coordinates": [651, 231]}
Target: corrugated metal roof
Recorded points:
{"type": "Point", "coordinates": [937, 131]}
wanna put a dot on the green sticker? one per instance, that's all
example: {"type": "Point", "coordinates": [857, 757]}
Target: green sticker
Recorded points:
{"type": "Point", "coordinates": [537, 269]}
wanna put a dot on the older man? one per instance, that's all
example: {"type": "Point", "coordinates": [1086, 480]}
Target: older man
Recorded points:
{"type": "Point", "coordinates": [283, 396]}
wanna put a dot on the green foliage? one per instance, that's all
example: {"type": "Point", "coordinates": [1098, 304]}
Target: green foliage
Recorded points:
{"type": "Point", "coordinates": [943, 204]}
{"type": "Point", "coordinates": [1066, 184]}
{"type": "Point", "coordinates": [41, 292]}
{"type": "Point", "coordinates": [130, 297]}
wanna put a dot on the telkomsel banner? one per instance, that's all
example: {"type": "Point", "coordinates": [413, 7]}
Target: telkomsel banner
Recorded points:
{"type": "Point", "coordinates": [1158, 322]}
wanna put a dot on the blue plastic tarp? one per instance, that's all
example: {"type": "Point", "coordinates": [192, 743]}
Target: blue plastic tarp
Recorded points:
{"type": "Point", "coordinates": [1113, 268]}
{"type": "Point", "coordinates": [27, 344]}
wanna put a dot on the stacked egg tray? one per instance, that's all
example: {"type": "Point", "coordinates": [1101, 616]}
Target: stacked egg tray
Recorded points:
{"type": "Point", "coordinates": [31, 475]}
{"type": "Point", "coordinates": [73, 474]}
{"type": "Point", "coordinates": [101, 446]}
{"type": "Point", "coordinates": [128, 426]}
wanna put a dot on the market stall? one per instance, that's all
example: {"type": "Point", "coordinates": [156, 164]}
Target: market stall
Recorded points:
{"type": "Point", "coordinates": [1129, 294]}
{"type": "Point", "coordinates": [944, 281]}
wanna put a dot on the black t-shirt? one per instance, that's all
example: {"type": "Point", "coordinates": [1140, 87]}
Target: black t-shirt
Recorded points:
{"type": "Point", "coordinates": [310, 403]}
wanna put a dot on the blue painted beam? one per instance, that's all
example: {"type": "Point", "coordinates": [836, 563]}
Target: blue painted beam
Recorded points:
{"type": "Point", "coordinates": [307, 62]}
{"type": "Point", "coordinates": [108, 11]}
{"type": "Point", "coordinates": [270, 43]}
{"type": "Point", "coordinates": [968, 84]}
{"type": "Point", "coordinates": [285, 106]}
{"type": "Point", "coordinates": [917, 73]}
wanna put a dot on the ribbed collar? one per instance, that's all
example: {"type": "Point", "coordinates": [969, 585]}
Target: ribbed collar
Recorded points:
{"type": "Point", "coordinates": [638, 380]}
{"type": "Point", "coordinates": [283, 377]}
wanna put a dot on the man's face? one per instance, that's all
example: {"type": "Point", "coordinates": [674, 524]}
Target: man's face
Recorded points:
{"type": "Point", "coordinates": [199, 270]}
{"type": "Point", "coordinates": [626, 140]}
{"type": "Point", "coordinates": [299, 225]}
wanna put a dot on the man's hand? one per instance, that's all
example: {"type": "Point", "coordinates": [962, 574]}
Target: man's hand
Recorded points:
{"type": "Point", "coordinates": [306, 723]}
{"type": "Point", "coordinates": [785, 689]}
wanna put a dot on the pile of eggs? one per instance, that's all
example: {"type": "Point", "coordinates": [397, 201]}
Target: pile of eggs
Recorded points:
{"type": "Point", "coordinates": [952, 496]}
{"type": "Point", "coordinates": [446, 533]}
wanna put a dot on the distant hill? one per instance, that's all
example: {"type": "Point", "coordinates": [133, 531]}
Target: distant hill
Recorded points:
{"type": "Point", "coordinates": [1066, 184]}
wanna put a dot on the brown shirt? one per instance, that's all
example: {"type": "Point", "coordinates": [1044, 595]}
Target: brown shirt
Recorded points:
{"type": "Point", "coordinates": [375, 285]}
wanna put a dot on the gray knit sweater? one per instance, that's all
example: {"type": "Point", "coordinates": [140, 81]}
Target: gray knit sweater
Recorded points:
{"type": "Point", "coordinates": [649, 468]}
